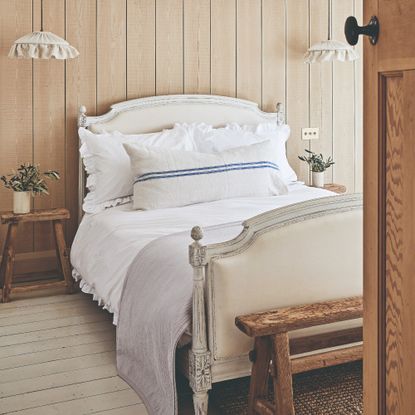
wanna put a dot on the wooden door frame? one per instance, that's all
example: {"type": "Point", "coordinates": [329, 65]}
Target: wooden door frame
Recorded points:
{"type": "Point", "coordinates": [389, 200]}
{"type": "Point", "coordinates": [374, 206]}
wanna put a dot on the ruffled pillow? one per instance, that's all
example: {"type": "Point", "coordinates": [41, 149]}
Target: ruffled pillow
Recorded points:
{"type": "Point", "coordinates": [110, 180]}
{"type": "Point", "coordinates": [215, 140]}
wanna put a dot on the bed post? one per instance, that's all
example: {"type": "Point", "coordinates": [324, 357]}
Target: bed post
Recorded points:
{"type": "Point", "coordinates": [200, 378]}
{"type": "Point", "coordinates": [81, 173]}
{"type": "Point", "coordinates": [280, 113]}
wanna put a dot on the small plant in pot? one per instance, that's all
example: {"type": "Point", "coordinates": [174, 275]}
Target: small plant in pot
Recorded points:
{"type": "Point", "coordinates": [25, 182]}
{"type": "Point", "coordinates": [317, 166]}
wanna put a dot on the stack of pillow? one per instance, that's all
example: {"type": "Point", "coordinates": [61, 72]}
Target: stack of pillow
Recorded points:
{"type": "Point", "coordinates": [190, 163]}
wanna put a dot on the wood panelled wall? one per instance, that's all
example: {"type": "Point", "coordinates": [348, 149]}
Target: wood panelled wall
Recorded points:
{"type": "Point", "coordinates": [250, 49]}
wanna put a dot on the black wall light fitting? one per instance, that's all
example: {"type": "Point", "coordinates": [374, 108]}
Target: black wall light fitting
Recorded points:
{"type": "Point", "coordinates": [352, 30]}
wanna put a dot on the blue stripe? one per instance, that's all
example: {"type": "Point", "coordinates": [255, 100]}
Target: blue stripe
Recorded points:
{"type": "Point", "coordinates": [222, 166]}
{"type": "Point", "coordinates": [196, 172]}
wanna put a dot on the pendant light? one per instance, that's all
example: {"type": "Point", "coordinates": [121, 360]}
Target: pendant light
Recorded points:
{"type": "Point", "coordinates": [330, 50]}
{"type": "Point", "coordinates": [42, 45]}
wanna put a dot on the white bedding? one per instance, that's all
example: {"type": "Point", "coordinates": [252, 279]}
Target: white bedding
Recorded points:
{"type": "Point", "coordinates": [107, 242]}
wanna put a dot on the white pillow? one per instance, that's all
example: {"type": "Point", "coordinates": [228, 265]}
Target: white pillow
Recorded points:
{"type": "Point", "coordinates": [110, 180]}
{"type": "Point", "coordinates": [171, 178]}
{"type": "Point", "coordinates": [210, 140]}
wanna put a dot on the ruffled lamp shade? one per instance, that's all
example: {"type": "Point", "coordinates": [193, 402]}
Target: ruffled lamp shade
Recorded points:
{"type": "Point", "coordinates": [42, 45]}
{"type": "Point", "coordinates": [330, 50]}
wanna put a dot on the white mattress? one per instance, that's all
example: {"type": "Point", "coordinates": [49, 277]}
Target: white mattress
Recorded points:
{"type": "Point", "coordinates": [107, 242]}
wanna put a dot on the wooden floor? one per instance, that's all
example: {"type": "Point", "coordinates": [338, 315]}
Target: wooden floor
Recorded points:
{"type": "Point", "coordinates": [57, 356]}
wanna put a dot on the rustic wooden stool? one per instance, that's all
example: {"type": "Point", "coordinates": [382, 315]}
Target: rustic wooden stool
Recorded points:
{"type": "Point", "coordinates": [12, 220]}
{"type": "Point", "coordinates": [273, 348]}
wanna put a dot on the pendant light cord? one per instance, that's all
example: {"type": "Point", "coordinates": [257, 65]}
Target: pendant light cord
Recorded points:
{"type": "Point", "coordinates": [41, 15]}
{"type": "Point", "coordinates": [329, 19]}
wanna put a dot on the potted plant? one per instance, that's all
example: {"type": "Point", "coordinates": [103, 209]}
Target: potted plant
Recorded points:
{"type": "Point", "coordinates": [25, 182]}
{"type": "Point", "coordinates": [317, 166]}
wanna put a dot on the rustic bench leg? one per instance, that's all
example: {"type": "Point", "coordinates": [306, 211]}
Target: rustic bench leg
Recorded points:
{"type": "Point", "coordinates": [6, 269]}
{"type": "Point", "coordinates": [283, 388]}
{"type": "Point", "coordinates": [258, 387]}
{"type": "Point", "coordinates": [63, 254]}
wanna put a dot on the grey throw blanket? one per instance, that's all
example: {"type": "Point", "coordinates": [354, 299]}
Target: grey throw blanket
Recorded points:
{"type": "Point", "coordinates": [155, 312]}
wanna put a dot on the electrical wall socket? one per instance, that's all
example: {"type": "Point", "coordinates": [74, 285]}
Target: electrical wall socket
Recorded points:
{"type": "Point", "coordinates": [310, 133]}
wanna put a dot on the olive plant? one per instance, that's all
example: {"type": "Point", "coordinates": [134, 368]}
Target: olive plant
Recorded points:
{"type": "Point", "coordinates": [29, 178]}
{"type": "Point", "coordinates": [316, 161]}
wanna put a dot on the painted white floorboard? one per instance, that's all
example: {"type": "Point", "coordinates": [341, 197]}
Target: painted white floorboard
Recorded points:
{"type": "Point", "coordinates": [56, 354]}
{"type": "Point", "coordinates": [28, 303]}
{"type": "Point", "coordinates": [56, 380]}
{"type": "Point", "coordinates": [47, 310]}
{"type": "Point", "coordinates": [64, 341]}
{"type": "Point", "coordinates": [57, 366]}
{"type": "Point", "coordinates": [53, 324]}
{"type": "Point", "coordinates": [53, 333]}
{"type": "Point", "coordinates": [51, 314]}
{"type": "Point", "coordinates": [62, 394]}
{"type": "Point", "coordinates": [87, 405]}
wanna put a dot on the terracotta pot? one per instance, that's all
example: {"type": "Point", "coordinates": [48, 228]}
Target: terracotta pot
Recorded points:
{"type": "Point", "coordinates": [318, 178]}
{"type": "Point", "coordinates": [21, 202]}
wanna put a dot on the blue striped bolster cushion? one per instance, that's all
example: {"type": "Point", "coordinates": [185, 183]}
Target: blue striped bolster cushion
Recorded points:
{"type": "Point", "coordinates": [206, 170]}
{"type": "Point", "coordinates": [170, 178]}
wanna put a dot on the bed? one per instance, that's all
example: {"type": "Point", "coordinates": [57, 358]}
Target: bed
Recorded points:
{"type": "Point", "coordinates": [288, 236]}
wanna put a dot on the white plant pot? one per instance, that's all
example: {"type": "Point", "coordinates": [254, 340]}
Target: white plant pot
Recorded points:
{"type": "Point", "coordinates": [21, 202]}
{"type": "Point", "coordinates": [318, 178]}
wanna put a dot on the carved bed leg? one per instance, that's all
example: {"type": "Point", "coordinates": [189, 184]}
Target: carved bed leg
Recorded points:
{"type": "Point", "coordinates": [200, 402]}
{"type": "Point", "coordinates": [200, 377]}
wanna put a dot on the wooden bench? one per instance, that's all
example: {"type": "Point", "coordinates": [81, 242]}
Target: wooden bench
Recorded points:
{"type": "Point", "coordinates": [273, 348]}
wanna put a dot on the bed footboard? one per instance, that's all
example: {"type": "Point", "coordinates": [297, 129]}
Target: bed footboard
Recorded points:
{"type": "Point", "coordinates": [304, 253]}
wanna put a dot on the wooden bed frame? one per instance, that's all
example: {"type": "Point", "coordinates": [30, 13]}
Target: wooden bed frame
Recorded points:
{"type": "Point", "coordinates": [240, 276]}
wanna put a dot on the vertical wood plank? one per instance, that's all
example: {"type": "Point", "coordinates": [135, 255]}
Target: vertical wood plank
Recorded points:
{"type": "Point", "coordinates": [273, 54]}
{"type": "Point", "coordinates": [394, 245]}
{"type": "Point", "coordinates": [223, 47]}
{"type": "Point", "coordinates": [248, 51]}
{"type": "Point", "coordinates": [111, 53]}
{"type": "Point", "coordinates": [49, 118]}
{"type": "Point", "coordinates": [297, 82]}
{"type": "Point", "coordinates": [15, 106]}
{"type": "Point", "coordinates": [321, 88]}
{"type": "Point", "coordinates": [169, 47]}
{"type": "Point", "coordinates": [196, 46]}
{"type": "Point", "coordinates": [343, 104]}
{"type": "Point", "coordinates": [358, 106]}
{"type": "Point", "coordinates": [80, 90]}
{"type": "Point", "coordinates": [141, 48]}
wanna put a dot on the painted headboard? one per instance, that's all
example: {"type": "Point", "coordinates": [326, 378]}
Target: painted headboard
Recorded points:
{"type": "Point", "coordinates": [145, 115]}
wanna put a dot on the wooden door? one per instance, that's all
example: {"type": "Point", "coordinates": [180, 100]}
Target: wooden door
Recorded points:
{"type": "Point", "coordinates": [389, 186]}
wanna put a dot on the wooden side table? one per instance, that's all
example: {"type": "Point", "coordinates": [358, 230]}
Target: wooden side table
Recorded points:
{"type": "Point", "coordinates": [12, 220]}
{"type": "Point", "coordinates": [336, 188]}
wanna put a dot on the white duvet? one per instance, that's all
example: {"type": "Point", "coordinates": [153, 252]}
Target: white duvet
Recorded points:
{"type": "Point", "coordinates": [107, 242]}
